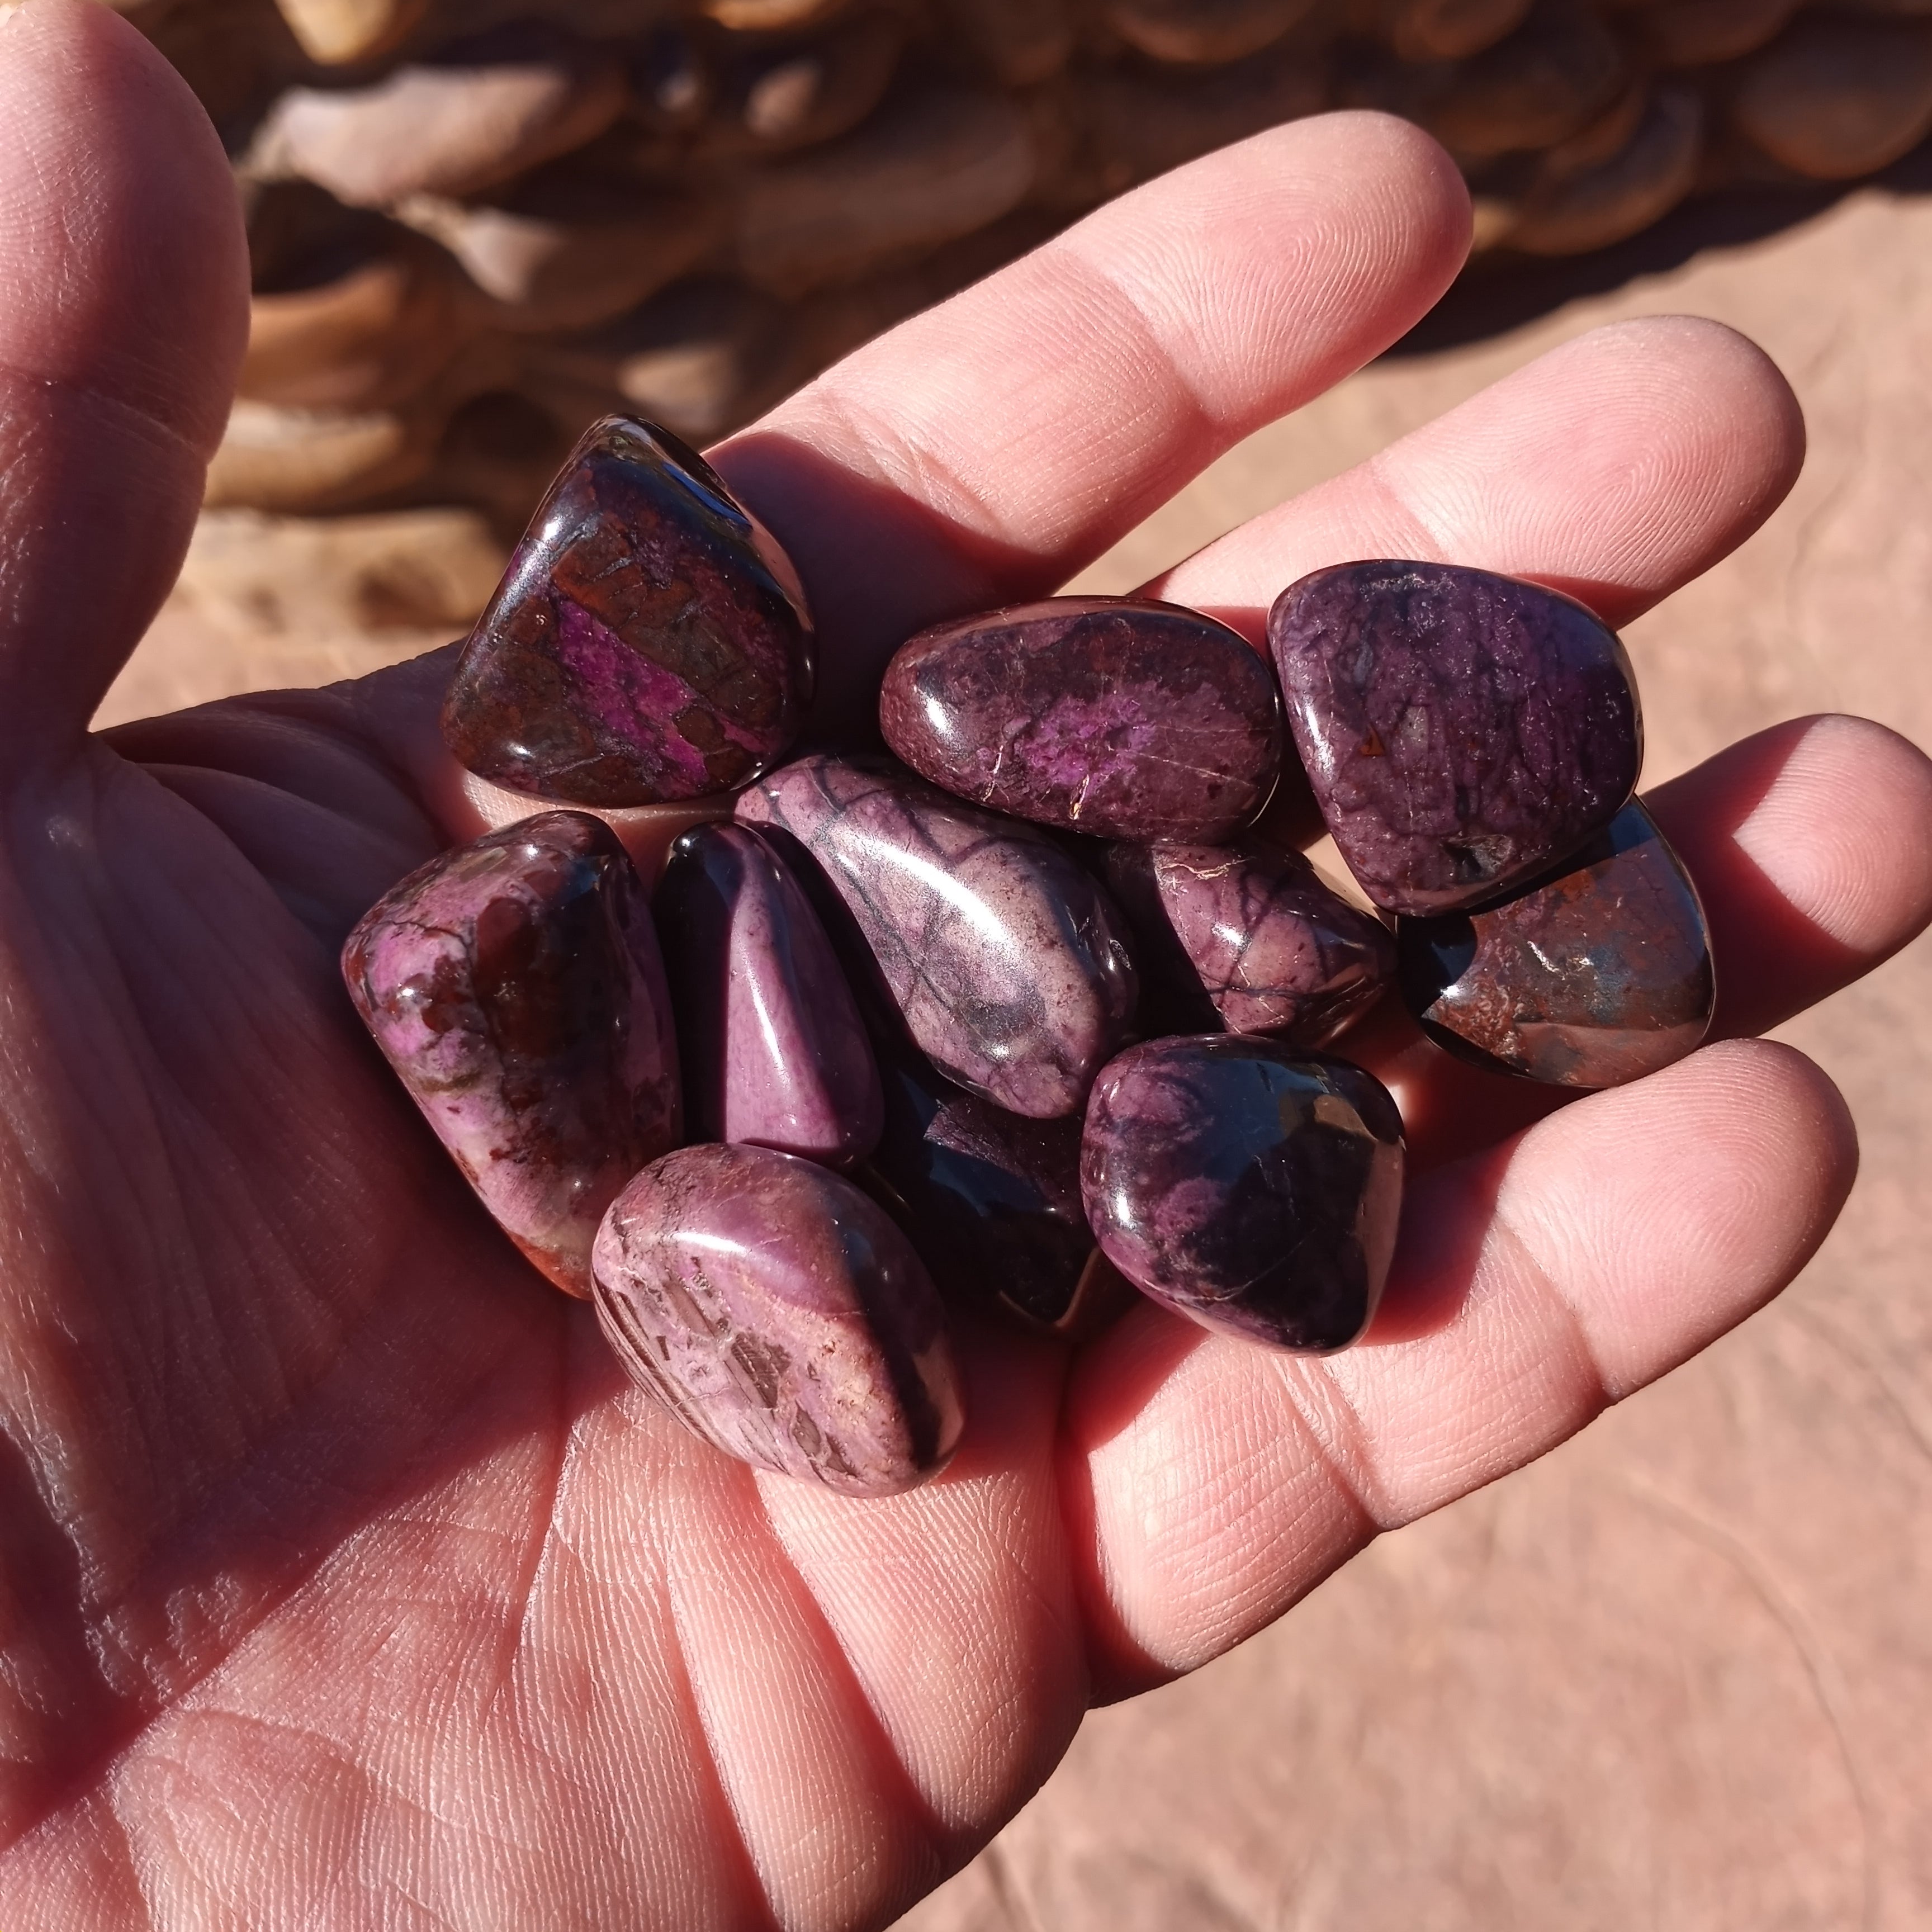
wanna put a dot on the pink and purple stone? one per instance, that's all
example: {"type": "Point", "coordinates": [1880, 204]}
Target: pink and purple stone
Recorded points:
{"type": "Point", "coordinates": [781, 1316]}
{"type": "Point", "coordinates": [773, 1051]}
{"type": "Point", "coordinates": [1594, 976]}
{"type": "Point", "coordinates": [1006, 961]}
{"type": "Point", "coordinates": [515, 986]}
{"type": "Point", "coordinates": [650, 643]}
{"type": "Point", "coordinates": [1462, 732]}
{"type": "Point", "coordinates": [1253, 1189]}
{"type": "Point", "coordinates": [1247, 936]}
{"type": "Point", "coordinates": [1119, 717]}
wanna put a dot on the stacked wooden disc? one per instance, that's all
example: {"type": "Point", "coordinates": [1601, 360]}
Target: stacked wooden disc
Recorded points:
{"type": "Point", "coordinates": [477, 224]}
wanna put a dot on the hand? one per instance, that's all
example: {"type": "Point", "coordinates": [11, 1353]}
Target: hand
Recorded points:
{"type": "Point", "coordinates": [344, 1581]}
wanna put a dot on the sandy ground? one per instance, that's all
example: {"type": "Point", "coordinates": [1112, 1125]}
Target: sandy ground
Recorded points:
{"type": "Point", "coordinates": [1680, 1674]}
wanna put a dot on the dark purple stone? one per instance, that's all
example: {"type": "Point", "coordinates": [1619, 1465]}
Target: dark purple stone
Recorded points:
{"type": "Point", "coordinates": [1005, 959]}
{"type": "Point", "coordinates": [990, 1199]}
{"type": "Point", "coordinates": [1254, 1190]}
{"type": "Point", "coordinates": [1247, 937]}
{"type": "Point", "coordinates": [1599, 975]}
{"type": "Point", "coordinates": [514, 984]}
{"type": "Point", "coordinates": [781, 1316]}
{"type": "Point", "coordinates": [650, 641]}
{"type": "Point", "coordinates": [773, 1048]}
{"type": "Point", "coordinates": [1112, 716]}
{"type": "Point", "coordinates": [1462, 731]}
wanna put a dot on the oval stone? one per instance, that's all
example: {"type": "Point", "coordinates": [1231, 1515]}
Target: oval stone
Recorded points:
{"type": "Point", "coordinates": [1117, 716]}
{"type": "Point", "coordinates": [1254, 1191]}
{"type": "Point", "coordinates": [1247, 937]}
{"type": "Point", "coordinates": [990, 1199]}
{"type": "Point", "coordinates": [1006, 961]}
{"type": "Point", "coordinates": [1597, 976]}
{"type": "Point", "coordinates": [515, 984]}
{"type": "Point", "coordinates": [650, 642]}
{"type": "Point", "coordinates": [781, 1316]}
{"type": "Point", "coordinates": [771, 1042]}
{"type": "Point", "coordinates": [1462, 732]}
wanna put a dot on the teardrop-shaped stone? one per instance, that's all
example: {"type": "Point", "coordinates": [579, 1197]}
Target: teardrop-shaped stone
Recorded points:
{"type": "Point", "coordinates": [990, 1199]}
{"type": "Point", "coordinates": [1597, 976]}
{"type": "Point", "coordinates": [514, 984]}
{"type": "Point", "coordinates": [1117, 716]}
{"type": "Point", "coordinates": [773, 1048]}
{"type": "Point", "coordinates": [1247, 936]}
{"type": "Point", "coordinates": [1007, 962]}
{"type": "Point", "coordinates": [1253, 1189]}
{"type": "Point", "coordinates": [1462, 732]}
{"type": "Point", "coordinates": [650, 641]}
{"type": "Point", "coordinates": [781, 1316]}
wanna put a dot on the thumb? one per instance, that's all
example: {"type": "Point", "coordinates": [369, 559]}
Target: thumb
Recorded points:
{"type": "Point", "coordinates": [123, 314]}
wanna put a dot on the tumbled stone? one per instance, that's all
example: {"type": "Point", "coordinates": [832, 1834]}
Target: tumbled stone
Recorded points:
{"type": "Point", "coordinates": [649, 641]}
{"type": "Point", "coordinates": [1006, 961]}
{"type": "Point", "coordinates": [1111, 715]}
{"type": "Point", "coordinates": [772, 1049]}
{"type": "Point", "coordinates": [781, 1316]}
{"type": "Point", "coordinates": [514, 984]}
{"type": "Point", "coordinates": [1462, 731]}
{"type": "Point", "coordinates": [1247, 937]}
{"type": "Point", "coordinates": [990, 1199]}
{"type": "Point", "coordinates": [1253, 1189]}
{"type": "Point", "coordinates": [1599, 975]}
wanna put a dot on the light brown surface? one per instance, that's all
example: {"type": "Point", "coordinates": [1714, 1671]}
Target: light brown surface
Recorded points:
{"type": "Point", "coordinates": [1680, 1675]}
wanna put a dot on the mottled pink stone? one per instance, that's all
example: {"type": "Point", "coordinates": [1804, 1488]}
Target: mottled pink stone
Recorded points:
{"type": "Point", "coordinates": [773, 1049]}
{"type": "Point", "coordinates": [650, 641]}
{"type": "Point", "coordinates": [514, 984]}
{"type": "Point", "coordinates": [1119, 717]}
{"type": "Point", "coordinates": [781, 1316]}
{"type": "Point", "coordinates": [1247, 936]}
{"type": "Point", "coordinates": [1462, 731]}
{"type": "Point", "coordinates": [1007, 962]}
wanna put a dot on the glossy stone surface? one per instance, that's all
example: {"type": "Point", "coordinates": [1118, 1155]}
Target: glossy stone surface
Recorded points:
{"type": "Point", "coordinates": [649, 641]}
{"type": "Point", "coordinates": [1247, 937]}
{"type": "Point", "coordinates": [770, 1040]}
{"type": "Point", "coordinates": [514, 984]}
{"type": "Point", "coordinates": [1255, 1190]}
{"type": "Point", "coordinates": [1462, 731]}
{"type": "Point", "coordinates": [1119, 717]}
{"type": "Point", "coordinates": [782, 1316]}
{"type": "Point", "coordinates": [1006, 961]}
{"type": "Point", "coordinates": [990, 1199]}
{"type": "Point", "coordinates": [1599, 975]}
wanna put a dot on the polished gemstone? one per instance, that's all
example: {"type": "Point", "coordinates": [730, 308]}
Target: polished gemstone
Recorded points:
{"type": "Point", "coordinates": [1253, 1189]}
{"type": "Point", "coordinates": [650, 642]}
{"type": "Point", "coordinates": [1597, 976]}
{"type": "Point", "coordinates": [1462, 731]}
{"type": "Point", "coordinates": [1247, 937]}
{"type": "Point", "coordinates": [782, 1316]}
{"type": "Point", "coordinates": [1111, 715]}
{"type": "Point", "coordinates": [1007, 961]}
{"type": "Point", "coordinates": [990, 1199]}
{"type": "Point", "coordinates": [772, 1049]}
{"type": "Point", "coordinates": [515, 985]}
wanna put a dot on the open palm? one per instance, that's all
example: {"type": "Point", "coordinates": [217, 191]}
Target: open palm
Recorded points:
{"type": "Point", "coordinates": [342, 1581]}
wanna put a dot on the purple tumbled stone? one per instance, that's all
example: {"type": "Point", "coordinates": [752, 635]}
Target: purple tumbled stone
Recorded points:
{"type": "Point", "coordinates": [1597, 976]}
{"type": "Point", "coordinates": [1462, 731]}
{"type": "Point", "coordinates": [514, 984]}
{"type": "Point", "coordinates": [650, 641]}
{"type": "Point", "coordinates": [772, 1049]}
{"type": "Point", "coordinates": [1255, 1191]}
{"type": "Point", "coordinates": [782, 1316]}
{"type": "Point", "coordinates": [1116, 716]}
{"type": "Point", "coordinates": [1247, 936]}
{"type": "Point", "coordinates": [1006, 960]}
